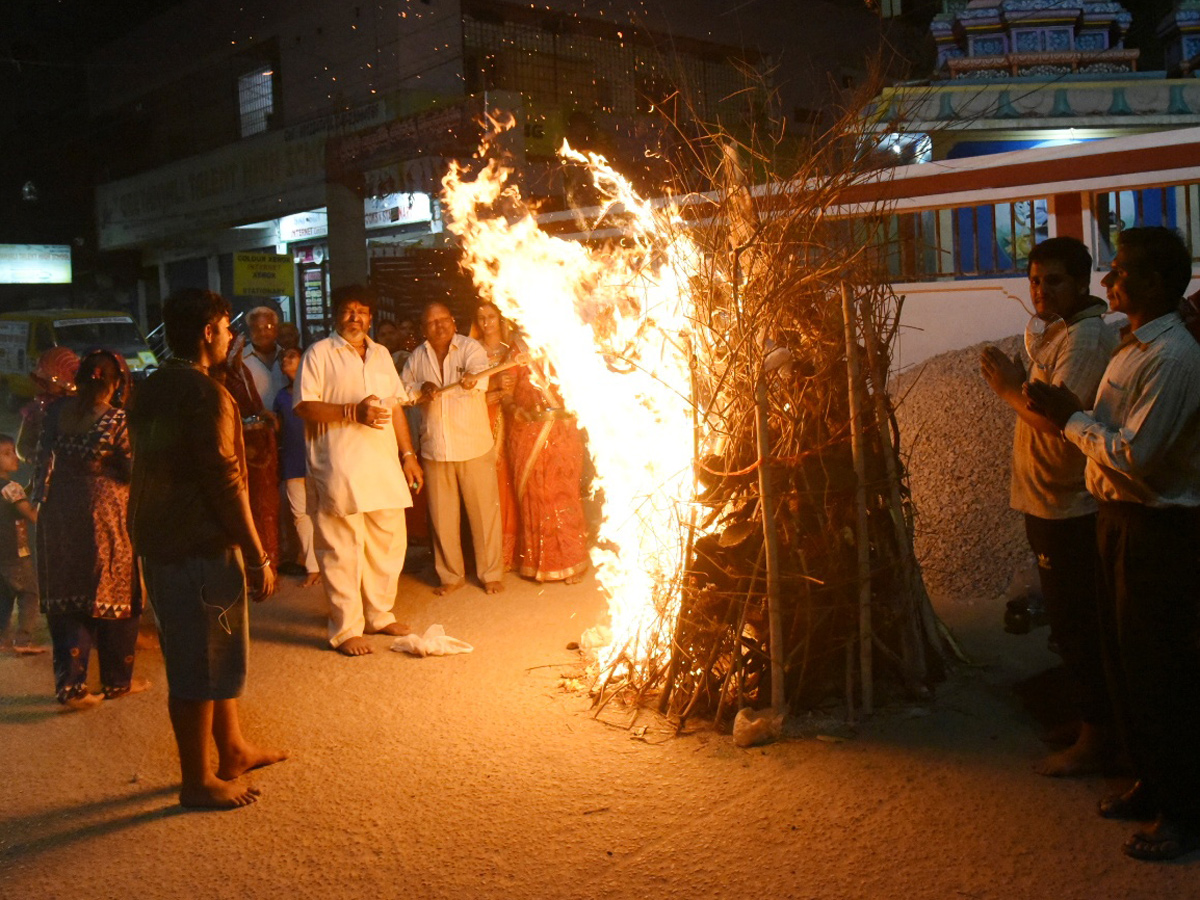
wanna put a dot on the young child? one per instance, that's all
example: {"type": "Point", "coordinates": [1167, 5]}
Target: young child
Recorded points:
{"type": "Point", "coordinates": [292, 466]}
{"type": "Point", "coordinates": [18, 580]}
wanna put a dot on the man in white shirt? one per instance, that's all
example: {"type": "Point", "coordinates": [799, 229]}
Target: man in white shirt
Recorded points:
{"type": "Point", "coordinates": [362, 463]}
{"type": "Point", "coordinates": [262, 354]}
{"type": "Point", "coordinates": [1048, 483]}
{"type": "Point", "coordinates": [457, 449]}
{"type": "Point", "coordinates": [1142, 443]}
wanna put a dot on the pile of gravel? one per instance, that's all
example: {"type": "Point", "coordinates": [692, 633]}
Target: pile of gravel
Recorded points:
{"type": "Point", "coordinates": [956, 437]}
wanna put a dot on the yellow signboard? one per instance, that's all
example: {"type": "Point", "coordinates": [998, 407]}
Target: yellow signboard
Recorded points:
{"type": "Point", "coordinates": [263, 275]}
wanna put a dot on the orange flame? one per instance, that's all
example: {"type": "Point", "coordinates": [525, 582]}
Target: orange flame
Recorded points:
{"type": "Point", "coordinates": [615, 324]}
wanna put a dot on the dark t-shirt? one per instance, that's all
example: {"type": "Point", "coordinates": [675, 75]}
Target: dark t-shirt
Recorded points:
{"type": "Point", "coordinates": [189, 465]}
{"type": "Point", "coordinates": [292, 454]}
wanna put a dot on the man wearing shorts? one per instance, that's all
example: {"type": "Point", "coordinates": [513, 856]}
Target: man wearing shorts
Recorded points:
{"type": "Point", "coordinates": [192, 530]}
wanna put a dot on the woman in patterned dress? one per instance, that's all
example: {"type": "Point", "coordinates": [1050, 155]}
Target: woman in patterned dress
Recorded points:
{"type": "Point", "coordinates": [90, 592]}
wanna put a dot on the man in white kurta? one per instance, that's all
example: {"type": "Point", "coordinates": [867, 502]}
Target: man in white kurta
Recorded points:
{"type": "Point", "coordinates": [361, 460]}
{"type": "Point", "coordinates": [457, 449]}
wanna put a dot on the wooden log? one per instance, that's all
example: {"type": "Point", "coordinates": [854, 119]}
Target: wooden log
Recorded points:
{"type": "Point", "coordinates": [862, 538]}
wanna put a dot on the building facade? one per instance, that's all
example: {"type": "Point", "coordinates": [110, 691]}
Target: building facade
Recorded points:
{"type": "Point", "coordinates": [1038, 123]}
{"type": "Point", "coordinates": [274, 150]}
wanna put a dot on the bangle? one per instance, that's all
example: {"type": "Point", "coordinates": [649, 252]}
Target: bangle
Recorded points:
{"type": "Point", "coordinates": [348, 412]}
{"type": "Point", "coordinates": [266, 561]}
{"type": "Point", "coordinates": [406, 454]}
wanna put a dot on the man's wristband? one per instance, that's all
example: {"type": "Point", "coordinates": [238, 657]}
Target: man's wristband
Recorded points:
{"type": "Point", "coordinates": [406, 454]}
{"type": "Point", "coordinates": [348, 412]}
{"type": "Point", "coordinates": [266, 561]}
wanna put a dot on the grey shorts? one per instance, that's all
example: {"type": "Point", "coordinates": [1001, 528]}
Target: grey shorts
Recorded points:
{"type": "Point", "coordinates": [200, 605]}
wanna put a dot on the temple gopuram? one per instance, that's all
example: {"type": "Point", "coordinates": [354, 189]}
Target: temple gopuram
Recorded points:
{"type": "Point", "coordinates": [1016, 74]}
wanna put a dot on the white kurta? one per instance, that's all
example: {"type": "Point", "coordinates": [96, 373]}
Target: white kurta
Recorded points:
{"type": "Point", "coordinates": [356, 468]}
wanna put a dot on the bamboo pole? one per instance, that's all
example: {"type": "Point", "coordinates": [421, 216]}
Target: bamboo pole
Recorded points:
{"type": "Point", "coordinates": [766, 505]}
{"type": "Point", "coordinates": [862, 538]}
{"type": "Point", "coordinates": [913, 646]}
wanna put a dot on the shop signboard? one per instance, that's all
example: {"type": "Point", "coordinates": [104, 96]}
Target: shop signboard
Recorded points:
{"type": "Point", "coordinates": [35, 263]}
{"type": "Point", "coordinates": [263, 275]}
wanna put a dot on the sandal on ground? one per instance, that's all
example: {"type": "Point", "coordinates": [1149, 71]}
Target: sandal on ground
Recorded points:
{"type": "Point", "coordinates": [1135, 804]}
{"type": "Point", "coordinates": [1162, 841]}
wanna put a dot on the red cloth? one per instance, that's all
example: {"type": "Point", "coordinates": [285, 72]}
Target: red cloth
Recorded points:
{"type": "Point", "coordinates": [498, 419]}
{"type": "Point", "coordinates": [262, 456]}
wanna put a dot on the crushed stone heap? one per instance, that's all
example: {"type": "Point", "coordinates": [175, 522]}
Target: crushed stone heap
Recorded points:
{"type": "Point", "coordinates": [958, 436]}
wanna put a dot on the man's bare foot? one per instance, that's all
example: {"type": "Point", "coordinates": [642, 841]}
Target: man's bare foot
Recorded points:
{"type": "Point", "coordinates": [217, 794]}
{"type": "Point", "coordinates": [1070, 763]}
{"type": "Point", "coordinates": [249, 758]}
{"type": "Point", "coordinates": [1084, 757]}
{"type": "Point", "coordinates": [87, 701]}
{"type": "Point", "coordinates": [398, 629]}
{"type": "Point", "coordinates": [136, 686]}
{"type": "Point", "coordinates": [443, 589]}
{"type": "Point", "coordinates": [493, 587]}
{"type": "Point", "coordinates": [311, 579]}
{"type": "Point", "coordinates": [355, 646]}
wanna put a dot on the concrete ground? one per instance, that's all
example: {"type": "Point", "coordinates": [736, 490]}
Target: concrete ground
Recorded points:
{"type": "Point", "coordinates": [478, 776]}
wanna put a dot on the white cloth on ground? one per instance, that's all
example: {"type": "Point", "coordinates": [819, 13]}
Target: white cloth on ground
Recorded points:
{"type": "Point", "coordinates": [434, 642]}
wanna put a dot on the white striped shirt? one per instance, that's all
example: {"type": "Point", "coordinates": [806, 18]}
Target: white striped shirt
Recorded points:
{"type": "Point", "coordinates": [454, 425]}
{"type": "Point", "coordinates": [1142, 440]}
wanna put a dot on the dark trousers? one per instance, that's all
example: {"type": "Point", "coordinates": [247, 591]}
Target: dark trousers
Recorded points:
{"type": "Point", "coordinates": [1067, 568]}
{"type": "Point", "coordinates": [74, 635]}
{"type": "Point", "coordinates": [1150, 626]}
{"type": "Point", "coordinates": [18, 586]}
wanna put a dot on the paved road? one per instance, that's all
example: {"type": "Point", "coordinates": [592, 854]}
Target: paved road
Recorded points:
{"type": "Point", "coordinates": [475, 777]}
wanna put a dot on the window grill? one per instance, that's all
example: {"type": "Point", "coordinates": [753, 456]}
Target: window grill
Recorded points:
{"type": "Point", "coordinates": [256, 100]}
{"type": "Point", "coordinates": [1175, 206]}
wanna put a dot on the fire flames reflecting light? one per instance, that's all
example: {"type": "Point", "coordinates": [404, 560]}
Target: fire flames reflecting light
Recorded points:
{"type": "Point", "coordinates": [615, 326]}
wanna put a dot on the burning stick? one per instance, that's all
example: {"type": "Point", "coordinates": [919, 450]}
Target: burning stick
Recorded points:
{"type": "Point", "coordinates": [520, 360]}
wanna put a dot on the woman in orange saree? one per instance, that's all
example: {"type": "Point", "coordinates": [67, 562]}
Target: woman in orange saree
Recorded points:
{"type": "Point", "coordinates": [547, 454]}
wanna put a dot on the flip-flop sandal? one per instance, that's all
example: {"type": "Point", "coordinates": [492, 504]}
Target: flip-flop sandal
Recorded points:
{"type": "Point", "coordinates": [1164, 842]}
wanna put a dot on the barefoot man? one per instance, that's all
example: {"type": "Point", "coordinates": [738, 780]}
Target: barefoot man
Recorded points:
{"type": "Point", "coordinates": [458, 449]}
{"type": "Point", "coordinates": [1142, 442]}
{"type": "Point", "coordinates": [192, 529]}
{"type": "Point", "coordinates": [361, 460]}
{"type": "Point", "coordinates": [1048, 485]}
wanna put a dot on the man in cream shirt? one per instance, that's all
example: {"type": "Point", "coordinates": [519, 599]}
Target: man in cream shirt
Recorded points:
{"type": "Point", "coordinates": [457, 449]}
{"type": "Point", "coordinates": [361, 460]}
{"type": "Point", "coordinates": [1142, 443]}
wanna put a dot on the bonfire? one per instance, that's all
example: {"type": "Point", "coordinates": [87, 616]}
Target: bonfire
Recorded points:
{"type": "Point", "coordinates": [727, 355]}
